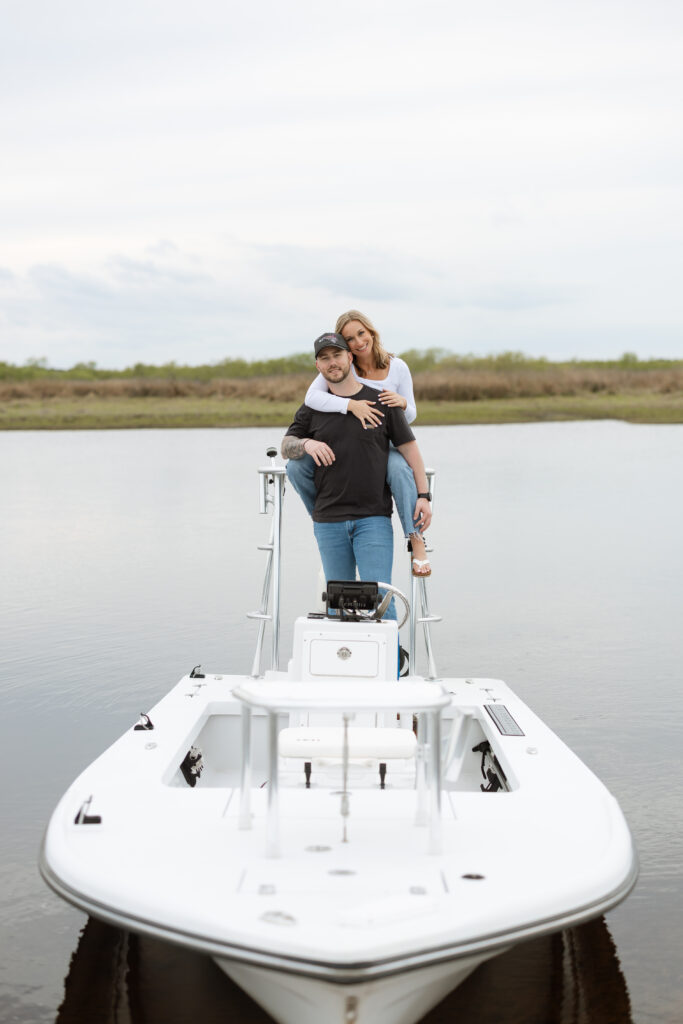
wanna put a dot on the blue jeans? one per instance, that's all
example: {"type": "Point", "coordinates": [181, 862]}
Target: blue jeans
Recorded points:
{"type": "Point", "coordinates": [399, 477]}
{"type": "Point", "coordinates": [300, 474]}
{"type": "Point", "coordinates": [402, 484]}
{"type": "Point", "coordinates": [367, 543]}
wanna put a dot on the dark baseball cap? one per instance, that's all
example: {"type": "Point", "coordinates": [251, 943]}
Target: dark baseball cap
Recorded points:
{"type": "Point", "coordinates": [329, 341]}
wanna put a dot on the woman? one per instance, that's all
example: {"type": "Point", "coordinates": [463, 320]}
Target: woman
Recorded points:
{"type": "Point", "coordinates": [390, 376]}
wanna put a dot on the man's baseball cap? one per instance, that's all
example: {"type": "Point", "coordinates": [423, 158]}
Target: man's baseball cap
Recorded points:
{"type": "Point", "coordinates": [329, 341]}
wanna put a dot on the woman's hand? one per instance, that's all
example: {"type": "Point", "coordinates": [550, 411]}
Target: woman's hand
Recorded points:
{"type": "Point", "coordinates": [364, 411]}
{"type": "Point", "coordinates": [422, 516]}
{"type": "Point", "coordinates": [392, 398]}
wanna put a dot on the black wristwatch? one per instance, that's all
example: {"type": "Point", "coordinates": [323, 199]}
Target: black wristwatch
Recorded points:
{"type": "Point", "coordinates": [426, 494]}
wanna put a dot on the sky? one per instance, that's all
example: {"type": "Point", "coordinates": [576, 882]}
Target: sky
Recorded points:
{"type": "Point", "coordinates": [191, 182]}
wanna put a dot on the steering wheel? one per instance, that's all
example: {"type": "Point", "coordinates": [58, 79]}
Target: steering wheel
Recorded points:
{"type": "Point", "coordinates": [381, 610]}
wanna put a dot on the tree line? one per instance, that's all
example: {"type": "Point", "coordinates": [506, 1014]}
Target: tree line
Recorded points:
{"type": "Point", "coordinates": [419, 361]}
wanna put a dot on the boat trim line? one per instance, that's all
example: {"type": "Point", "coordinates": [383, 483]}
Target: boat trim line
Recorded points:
{"type": "Point", "coordinates": [352, 973]}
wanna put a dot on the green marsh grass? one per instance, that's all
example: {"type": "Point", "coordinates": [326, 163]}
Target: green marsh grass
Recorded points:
{"type": "Point", "coordinates": [449, 389]}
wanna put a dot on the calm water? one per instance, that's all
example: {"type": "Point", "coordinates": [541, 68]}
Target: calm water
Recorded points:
{"type": "Point", "coordinates": [129, 557]}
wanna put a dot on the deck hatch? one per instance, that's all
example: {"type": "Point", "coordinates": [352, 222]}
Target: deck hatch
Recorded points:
{"type": "Point", "coordinates": [330, 657]}
{"type": "Point", "coordinates": [505, 723]}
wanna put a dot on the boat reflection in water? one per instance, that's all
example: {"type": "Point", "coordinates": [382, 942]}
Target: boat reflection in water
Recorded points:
{"type": "Point", "coordinates": [571, 977]}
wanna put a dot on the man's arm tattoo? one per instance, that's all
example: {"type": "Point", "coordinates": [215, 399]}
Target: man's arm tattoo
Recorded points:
{"type": "Point", "coordinates": [292, 447]}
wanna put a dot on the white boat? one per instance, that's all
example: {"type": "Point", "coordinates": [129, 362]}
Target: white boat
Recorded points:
{"type": "Point", "coordinates": [347, 846]}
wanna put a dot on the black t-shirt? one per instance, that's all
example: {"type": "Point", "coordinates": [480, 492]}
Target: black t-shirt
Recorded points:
{"type": "Point", "coordinates": [355, 485]}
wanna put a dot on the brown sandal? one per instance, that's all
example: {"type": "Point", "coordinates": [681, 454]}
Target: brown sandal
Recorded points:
{"type": "Point", "coordinates": [421, 567]}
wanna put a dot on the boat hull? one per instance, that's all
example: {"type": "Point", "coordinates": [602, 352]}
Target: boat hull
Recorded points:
{"type": "Point", "coordinates": [113, 974]}
{"type": "Point", "coordinates": [399, 999]}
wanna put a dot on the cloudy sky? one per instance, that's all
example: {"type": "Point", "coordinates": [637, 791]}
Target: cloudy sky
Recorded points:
{"type": "Point", "coordinates": [194, 180]}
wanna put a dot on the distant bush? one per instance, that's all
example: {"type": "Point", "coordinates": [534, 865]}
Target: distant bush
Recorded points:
{"type": "Point", "coordinates": [438, 375]}
{"type": "Point", "coordinates": [469, 385]}
{"type": "Point", "coordinates": [37, 369]}
{"type": "Point", "coordinates": [452, 384]}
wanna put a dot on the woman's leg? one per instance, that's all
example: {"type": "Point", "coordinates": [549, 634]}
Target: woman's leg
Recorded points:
{"type": "Point", "coordinates": [402, 483]}
{"type": "Point", "coordinates": [300, 473]}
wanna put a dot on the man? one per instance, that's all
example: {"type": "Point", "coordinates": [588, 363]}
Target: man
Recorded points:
{"type": "Point", "coordinates": [352, 511]}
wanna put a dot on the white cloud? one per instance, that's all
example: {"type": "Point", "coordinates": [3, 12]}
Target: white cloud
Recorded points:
{"type": "Point", "coordinates": [220, 179]}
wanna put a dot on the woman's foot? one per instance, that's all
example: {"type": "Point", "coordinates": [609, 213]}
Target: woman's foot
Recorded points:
{"type": "Point", "coordinates": [420, 563]}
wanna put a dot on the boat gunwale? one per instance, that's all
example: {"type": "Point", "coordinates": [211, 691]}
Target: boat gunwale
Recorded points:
{"type": "Point", "coordinates": [349, 973]}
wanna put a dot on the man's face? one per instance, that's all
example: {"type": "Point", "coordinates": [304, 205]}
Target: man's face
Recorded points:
{"type": "Point", "coordinates": [334, 364]}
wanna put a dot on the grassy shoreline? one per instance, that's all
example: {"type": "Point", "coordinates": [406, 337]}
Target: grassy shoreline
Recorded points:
{"type": "Point", "coordinates": [449, 389]}
{"type": "Point", "coordinates": [92, 412]}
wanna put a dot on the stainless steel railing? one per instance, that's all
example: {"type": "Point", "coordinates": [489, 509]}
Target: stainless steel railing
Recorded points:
{"type": "Point", "coordinates": [271, 498]}
{"type": "Point", "coordinates": [418, 589]}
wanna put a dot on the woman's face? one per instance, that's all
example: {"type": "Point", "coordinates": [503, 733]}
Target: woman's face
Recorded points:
{"type": "Point", "coordinates": [358, 338]}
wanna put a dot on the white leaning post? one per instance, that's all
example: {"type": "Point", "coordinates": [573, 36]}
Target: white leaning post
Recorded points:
{"type": "Point", "coordinates": [272, 819]}
{"type": "Point", "coordinates": [428, 768]}
{"type": "Point", "coordinates": [245, 772]}
{"type": "Point", "coordinates": [435, 781]}
{"type": "Point", "coordinates": [284, 698]}
{"type": "Point", "coordinates": [421, 812]}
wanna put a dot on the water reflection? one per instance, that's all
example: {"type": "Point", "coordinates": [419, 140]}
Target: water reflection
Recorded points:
{"type": "Point", "coordinates": [572, 977]}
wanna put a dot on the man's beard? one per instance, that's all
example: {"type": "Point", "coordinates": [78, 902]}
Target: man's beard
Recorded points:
{"type": "Point", "coordinates": [337, 380]}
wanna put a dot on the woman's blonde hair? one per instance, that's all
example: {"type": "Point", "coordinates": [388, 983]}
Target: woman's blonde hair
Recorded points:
{"type": "Point", "coordinates": [379, 353]}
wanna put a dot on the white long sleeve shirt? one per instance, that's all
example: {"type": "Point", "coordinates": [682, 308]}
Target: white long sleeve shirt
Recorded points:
{"type": "Point", "coordinates": [398, 379]}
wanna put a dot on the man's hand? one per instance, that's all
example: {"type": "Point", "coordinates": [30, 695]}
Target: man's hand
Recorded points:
{"type": "Point", "coordinates": [422, 516]}
{"type": "Point", "coordinates": [320, 452]}
{"type": "Point", "coordinates": [365, 412]}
